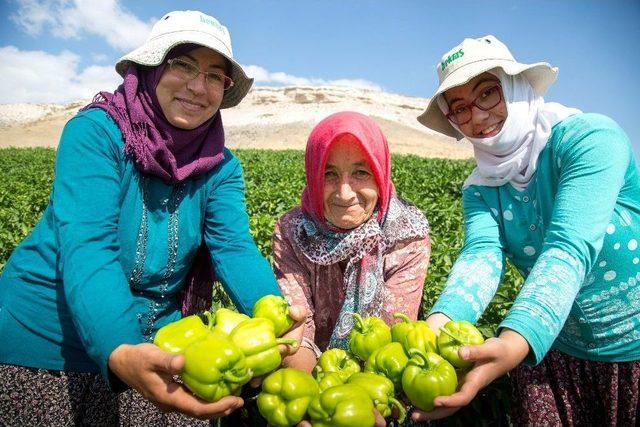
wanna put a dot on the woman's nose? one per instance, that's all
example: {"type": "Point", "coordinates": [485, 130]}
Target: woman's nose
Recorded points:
{"type": "Point", "coordinates": [198, 85]}
{"type": "Point", "coordinates": [478, 115]}
{"type": "Point", "coordinates": [345, 190]}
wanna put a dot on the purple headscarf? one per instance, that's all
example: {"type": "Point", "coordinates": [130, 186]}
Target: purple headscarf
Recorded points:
{"type": "Point", "coordinates": [159, 148]}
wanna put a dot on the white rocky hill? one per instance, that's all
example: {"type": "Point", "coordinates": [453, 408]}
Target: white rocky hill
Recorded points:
{"type": "Point", "coordinates": [268, 118]}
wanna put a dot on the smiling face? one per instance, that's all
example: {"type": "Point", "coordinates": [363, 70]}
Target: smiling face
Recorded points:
{"type": "Point", "coordinates": [187, 104]}
{"type": "Point", "coordinates": [483, 124]}
{"type": "Point", "coordinates": [350, 189]}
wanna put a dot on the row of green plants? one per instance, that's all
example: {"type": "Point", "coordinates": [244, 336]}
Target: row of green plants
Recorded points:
{"type": "Point", "coordinates": [274, 182]}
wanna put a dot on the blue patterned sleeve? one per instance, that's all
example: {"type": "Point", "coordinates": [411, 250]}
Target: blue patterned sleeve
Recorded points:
{"type": "Point", "coordinates": [239, 265]}
{"type": "Point", "coordinates": [477, 272]}
{"type": "Point", "coordinates": [545, 300]}
{"type": "Point", "coordinates": [590, 160]}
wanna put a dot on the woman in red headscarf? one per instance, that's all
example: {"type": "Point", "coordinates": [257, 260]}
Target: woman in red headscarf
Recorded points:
{"type": "Point", "coordinates": [352, 245]}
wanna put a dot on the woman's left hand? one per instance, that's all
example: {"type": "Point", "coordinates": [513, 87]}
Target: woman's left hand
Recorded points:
{"type": "Point", "coordinates": [150, 371]}
{"type": "Point", "coordinates": [494, 358]}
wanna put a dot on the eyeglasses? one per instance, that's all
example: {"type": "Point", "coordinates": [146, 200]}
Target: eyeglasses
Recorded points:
{"type": "Point", "coordinates": [488, 99]}
{"type": "Point", "coordinates": [188, 71]}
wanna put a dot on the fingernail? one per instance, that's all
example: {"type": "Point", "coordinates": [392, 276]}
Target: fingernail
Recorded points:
{"type": "Point", "coordinates": [464, 352]}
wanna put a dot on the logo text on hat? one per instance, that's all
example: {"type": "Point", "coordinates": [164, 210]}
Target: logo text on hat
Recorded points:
{"type": "Point", "coordinates": [211, 22]}
{"type": "Point", "coordinates": [444, 64]}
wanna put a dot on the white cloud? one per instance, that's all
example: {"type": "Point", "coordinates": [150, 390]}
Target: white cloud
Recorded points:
{"type": "Point", "coordinates": [74, 18]}
{"type": "Point", "coordinates": [40, 77]}
{"type": "Point", "coordinates": [263, 76]}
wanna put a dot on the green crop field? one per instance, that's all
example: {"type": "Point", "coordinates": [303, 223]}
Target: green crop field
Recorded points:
{"type": "Point", "coordinates": [274, 181]}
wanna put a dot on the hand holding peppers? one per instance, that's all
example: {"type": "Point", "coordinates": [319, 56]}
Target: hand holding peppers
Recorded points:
{"type": "Point", "coordinates": [491, 360]}
{"type": "Point", "coordinates": [150, 371]}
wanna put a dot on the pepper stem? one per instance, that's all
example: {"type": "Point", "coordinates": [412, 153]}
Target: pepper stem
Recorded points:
{"type": "Point", "coordinates": [359, 321]}
{"type": "Point", "coordinates": [402, 412]}
{"type": "Point", "coordinates": [423, 361]}
{"type": "Point", "coordinates": [210, 321]}
{"type": "Point", "coordinates": [403, 316]}
{"type": "Point", "coordinates": [452, 335]}
{"type": "Point", "coordinates": [231, 377]}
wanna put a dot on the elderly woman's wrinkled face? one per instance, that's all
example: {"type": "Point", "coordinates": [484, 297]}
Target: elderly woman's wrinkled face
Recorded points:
{"type": "Point", "coordinates": [187, 103]}
{"type": "Point", "coordinates": [478, 107]}
{"type": "Point", "coordinates": [350, 189]}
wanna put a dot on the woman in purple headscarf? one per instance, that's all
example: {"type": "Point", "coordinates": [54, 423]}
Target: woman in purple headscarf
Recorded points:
{"type": "Point", "coordinates": [147, 208]}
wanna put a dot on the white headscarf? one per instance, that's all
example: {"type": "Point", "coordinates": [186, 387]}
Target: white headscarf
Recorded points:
{"type": "Point", "coordinates": [512, 155]}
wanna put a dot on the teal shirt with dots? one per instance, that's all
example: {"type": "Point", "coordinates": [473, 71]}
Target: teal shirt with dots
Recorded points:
{"type": "Point", "coordinates": [106, 262]}
{"type": "Point", "coordinates": [574, 235]}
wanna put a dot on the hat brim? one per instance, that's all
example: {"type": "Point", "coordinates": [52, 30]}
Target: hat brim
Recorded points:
{"type": "Point", "coordinates": [153, 52]}
{"type": "Point", "coordinates": [540, 75]}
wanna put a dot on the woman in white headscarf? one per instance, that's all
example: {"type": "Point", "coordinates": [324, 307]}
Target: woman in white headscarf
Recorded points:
{"type": "Point", "coordinates": [557, 192]}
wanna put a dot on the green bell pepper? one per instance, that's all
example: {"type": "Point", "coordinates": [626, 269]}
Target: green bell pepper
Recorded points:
{"type": "Point", "coordinates": [345, 405]}
{"type": "Point", "coordinates": [329, 379]}
{"type": "Point", "coordinates": [388, 361]}
{"type": "Point", "coordinates": [336, 360]}
{"type": "Point", "coordinates": [413, 334]}
{"type": "Point", "coordinates": [455, 334]}
{"type": "Point", "coordinates": [176, 336]}
{"type": "Point", "coordinates": [285, 396]}
{"type": "Point", "coordinates": [381, 391]}
{"type": "Point", "coordinates": [367, 335]}
{"type": "Point", "coordinates": [214, 367]}
{"type": "Point", "coordinates": [276, 309]}
{"type": "Point", "coordinates": [426, 377]}
{"type": "Point", "coordinates": [225, 320]}
{"type": "Point", "coordinates": [257, 340]}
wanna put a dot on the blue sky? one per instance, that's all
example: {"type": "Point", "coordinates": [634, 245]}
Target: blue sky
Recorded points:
{"type": "Point", "coordinates": [60, 50]}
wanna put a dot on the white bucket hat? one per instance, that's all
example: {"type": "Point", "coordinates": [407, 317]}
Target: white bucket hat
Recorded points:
{"type": "Point", "coordinates": [473, 57]}
{"type": "Point", "coordinates": [190, 26]}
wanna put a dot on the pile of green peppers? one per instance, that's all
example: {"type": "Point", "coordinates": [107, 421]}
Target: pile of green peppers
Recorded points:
{"type": "Point", "coordinates": [228, 350]}
{"type": "Point", "coordinates": [383, 369]}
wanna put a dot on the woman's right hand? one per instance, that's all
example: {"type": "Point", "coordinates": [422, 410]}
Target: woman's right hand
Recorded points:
{"type": "Point", "coordinates": [150, 371]}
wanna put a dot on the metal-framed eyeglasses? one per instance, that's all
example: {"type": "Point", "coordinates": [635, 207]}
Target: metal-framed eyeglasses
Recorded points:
{"type": "Point", "coordinates": [189, 71]}
{"type": "Point", "coordinates": [460, 114]}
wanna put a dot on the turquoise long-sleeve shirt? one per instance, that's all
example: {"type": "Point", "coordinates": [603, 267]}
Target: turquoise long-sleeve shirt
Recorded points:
{"type": "Point", "coordinates": [105, 263]}
{"type": "Point", "coordinates": [573, 234]}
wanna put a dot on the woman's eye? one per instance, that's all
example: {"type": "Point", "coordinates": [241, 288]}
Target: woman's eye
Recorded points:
{"type": "Point", "coordinates": [182, 66]}
{"type": "Point", "coordinates": [487, 93]}
{"type": "Point", "coordinates": [330, 174]}
{"type": "Point", "coordinates": [215, 77]}
{"type": "Point", "coordinates": [459, 110]}
{"type": "Point", "coordinates": [362, 174]}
